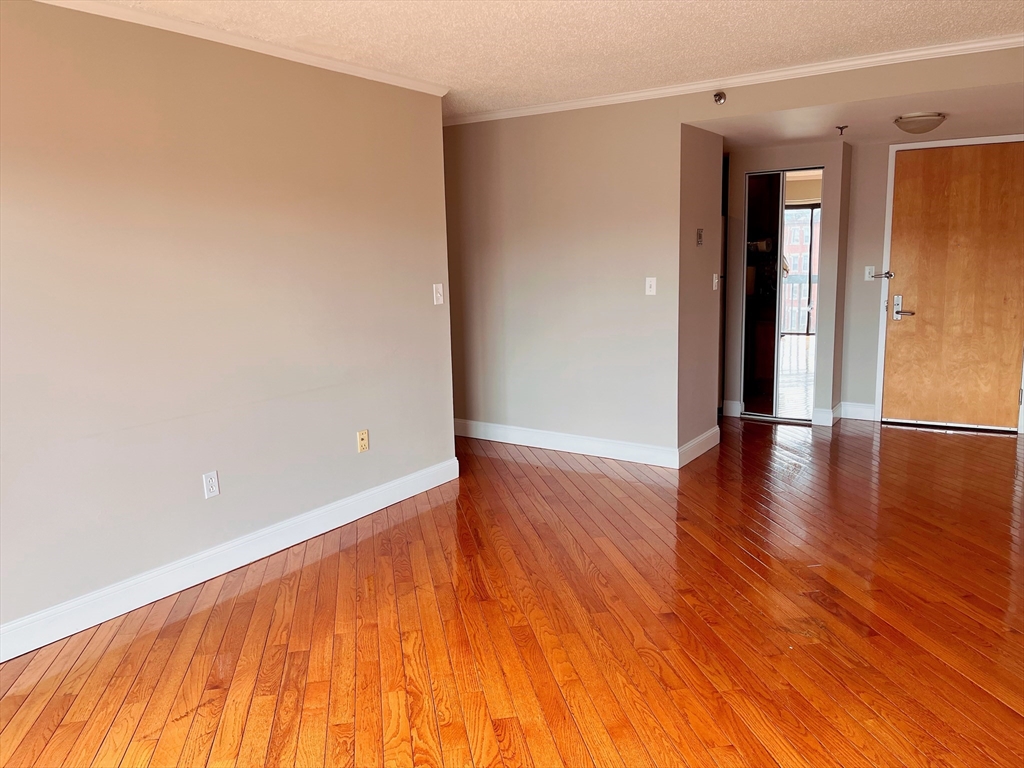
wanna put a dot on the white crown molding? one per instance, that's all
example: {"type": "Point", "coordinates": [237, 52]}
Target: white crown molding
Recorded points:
{"type": "Point", "coordinates": [215, 35]}
{"type": "Point", "coordinates": [51, 624]}
{"type": "Point", "coordinates": [192, 29]}
{"type": "Point", "coordinates": [673, 458]}
{"type": "Point", "coordinates": [755, 78]}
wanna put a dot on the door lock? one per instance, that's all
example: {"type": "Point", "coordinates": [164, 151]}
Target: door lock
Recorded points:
{"type": "Point", "coordinates": [897, 308]}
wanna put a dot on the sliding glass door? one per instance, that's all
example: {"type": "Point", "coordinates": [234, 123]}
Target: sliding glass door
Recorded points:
{"type": "Point", "coordinates": [783, 223]}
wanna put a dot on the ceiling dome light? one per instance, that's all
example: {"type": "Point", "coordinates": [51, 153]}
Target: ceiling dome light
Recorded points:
{"type": "Point", "coordinates": [919, 122]}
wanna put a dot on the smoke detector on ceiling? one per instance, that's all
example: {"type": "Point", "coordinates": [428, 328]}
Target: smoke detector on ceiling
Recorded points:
{"type": "Point", "coordinates": [919, 122]}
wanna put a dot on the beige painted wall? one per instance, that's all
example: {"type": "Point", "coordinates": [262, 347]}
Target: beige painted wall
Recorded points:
{"type": "Point", "coordinates": [834, 158]}
{"type": "Point", "coordinates": [211, 259]}
{"type": "Point", "coordinates": [554, 222]}
{"type": "Point", "coordinates": [865, 245]}
{"type": "Point", "coordinates": [700, 184]}
{"type": "Point", "coordinates": [839, 313]}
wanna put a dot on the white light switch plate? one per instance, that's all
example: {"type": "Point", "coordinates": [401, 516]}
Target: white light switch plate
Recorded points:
{"type": "Point", "coordinates": [869, 274]}
{"type": "Point", "coordinates": [438, 293]}
{"type": "Point", "coordinates": [651, 286]}
{"type": "Point", "coordinates": [714, 282]}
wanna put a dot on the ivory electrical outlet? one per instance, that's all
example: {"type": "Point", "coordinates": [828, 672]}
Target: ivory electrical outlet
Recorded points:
{"type": "Point", "coordinates": [211, 485]}
{"type": "Point", "coordinates": [651, 286]}
{"type": "Point", "coordinates": [363, 440]}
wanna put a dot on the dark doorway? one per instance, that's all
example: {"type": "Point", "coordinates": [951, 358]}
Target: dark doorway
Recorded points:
{"type": "Point", "coordinates": [783, 222]}
{"type": "Point", "coordinates": [764, 209]}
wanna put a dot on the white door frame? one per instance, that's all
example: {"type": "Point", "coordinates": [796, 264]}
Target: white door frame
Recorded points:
{"type": "Point", "coordinates": [778, 298]}
{"type": "Point", "coordinates": [884, 294]}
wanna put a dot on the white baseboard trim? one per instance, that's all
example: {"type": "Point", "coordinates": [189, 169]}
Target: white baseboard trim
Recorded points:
{"type": "Point", "coordinates": [699, 445]}
{"type": "Point", "coordinates": [561, 441]}
{"type": "Point", "coordinates": [38, 629]}
{"type": "Point", "coordinates": [858, 411]}
{"type": "Point", "coordinates": [821, 416]}
{"type": "Point", "coordinates": [825, 417]}
{"type": "Point", "coordinates": [588, 446]}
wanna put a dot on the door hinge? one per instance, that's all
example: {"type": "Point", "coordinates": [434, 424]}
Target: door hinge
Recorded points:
{"type": "Point", "coordinates": [1020, 397]}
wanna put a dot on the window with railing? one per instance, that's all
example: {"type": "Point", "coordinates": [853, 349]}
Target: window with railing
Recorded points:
{"type": "Point", "coordinates": [799, 296]}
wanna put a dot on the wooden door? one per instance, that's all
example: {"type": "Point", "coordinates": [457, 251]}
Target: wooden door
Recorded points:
{"type": "Point", "coordinates": [957, 252]}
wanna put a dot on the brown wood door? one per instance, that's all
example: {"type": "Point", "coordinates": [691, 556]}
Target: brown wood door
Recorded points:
{"type": "Point", "coordinates": [957, 252]}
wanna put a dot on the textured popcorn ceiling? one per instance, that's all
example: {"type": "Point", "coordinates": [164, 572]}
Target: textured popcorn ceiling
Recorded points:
{"type": "Point", "coordinates": [498, 54]}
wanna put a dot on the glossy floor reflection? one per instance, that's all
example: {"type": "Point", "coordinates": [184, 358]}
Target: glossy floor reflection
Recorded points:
{"type": "Point", "coordinates": [795, 597]}
{"type": "Point", "coordinates": [796, 377]}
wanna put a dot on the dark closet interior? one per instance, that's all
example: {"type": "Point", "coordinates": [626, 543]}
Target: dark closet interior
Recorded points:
{"type": "Point", "coordinates": [764, 206]}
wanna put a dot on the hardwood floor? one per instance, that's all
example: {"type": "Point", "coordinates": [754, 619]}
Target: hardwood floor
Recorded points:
{"type": "Point", "coordinates": [794, 597]}
{"type": "Point", "coordinates": [796, 377]}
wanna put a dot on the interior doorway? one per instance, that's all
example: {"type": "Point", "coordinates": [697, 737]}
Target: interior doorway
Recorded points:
{"type": "Point", "coordinates": [783, 227]}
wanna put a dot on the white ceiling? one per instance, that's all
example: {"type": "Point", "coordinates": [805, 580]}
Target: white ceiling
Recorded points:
{"type": "Point", "coordinates": [989, 111]}
{"type": "Point", "coordinates": [502, 54]}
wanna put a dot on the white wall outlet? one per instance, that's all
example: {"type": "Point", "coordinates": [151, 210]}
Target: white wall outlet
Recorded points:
{"type": "Point", "coordinates": [651, 286]}
{"type": "Point", "coordinates": [869, 274]}
{"type": "Point", "coordinates": [211, 485]}
{"type": "Point", "coordinates": [362, 440]}
{"type": "Point", "coordinates": [438, 293]}
{"type": "Point", "coordinates": [714, 282]}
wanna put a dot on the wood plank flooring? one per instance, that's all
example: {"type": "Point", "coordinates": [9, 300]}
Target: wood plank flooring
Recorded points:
{"type": "Point", "coordinates": [795, 597]}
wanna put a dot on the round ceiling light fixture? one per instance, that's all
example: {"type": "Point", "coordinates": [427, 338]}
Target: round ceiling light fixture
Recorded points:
{"type": "Point", "coordinates": [720, 98]}
{"type": "Point", "coordinates": [919, 122]}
